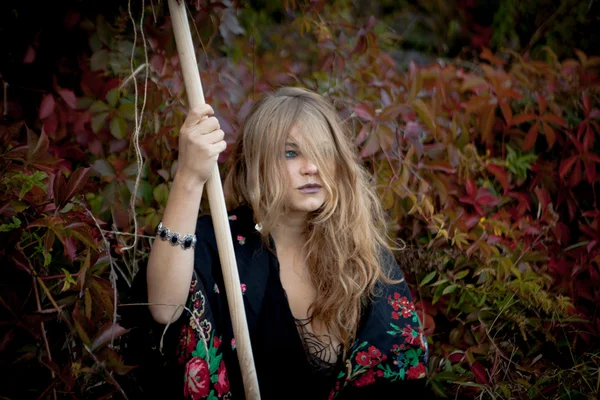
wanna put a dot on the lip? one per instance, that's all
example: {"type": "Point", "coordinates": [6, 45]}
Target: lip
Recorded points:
{"type": "Point", "coordinates": [310, 186]}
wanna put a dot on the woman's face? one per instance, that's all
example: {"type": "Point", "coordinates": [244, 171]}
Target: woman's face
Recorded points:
{"type": "Point", "coordinates": [306, 192]}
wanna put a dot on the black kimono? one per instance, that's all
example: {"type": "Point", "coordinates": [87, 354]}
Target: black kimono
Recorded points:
{"type": "Point", "coordinates": [388, 359]}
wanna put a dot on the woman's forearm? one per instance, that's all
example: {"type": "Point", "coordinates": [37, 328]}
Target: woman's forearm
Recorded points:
{"type": "Point", "coordinates": [170, 267]}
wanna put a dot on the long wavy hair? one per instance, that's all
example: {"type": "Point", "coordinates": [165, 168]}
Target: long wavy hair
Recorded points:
{"type": "Point", "coordinates": [346, 236]}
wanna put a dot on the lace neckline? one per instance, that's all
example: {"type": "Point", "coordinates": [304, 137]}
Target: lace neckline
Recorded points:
{"type": "Point", "coordinates": [319, 353]}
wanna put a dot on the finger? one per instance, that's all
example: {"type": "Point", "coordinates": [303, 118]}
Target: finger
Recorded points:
{"type": "Point", "coordinates": [220, 147]}
{"type": "Point", "coordinates": [214, 137]}
{"type": "Point", "coordinates": [196, 115]}
{"type": "Point", "coordinates": [210, 124]}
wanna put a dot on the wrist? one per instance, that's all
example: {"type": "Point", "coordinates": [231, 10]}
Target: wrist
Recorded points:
{"type": "Point", "coordinates": [188, 182]}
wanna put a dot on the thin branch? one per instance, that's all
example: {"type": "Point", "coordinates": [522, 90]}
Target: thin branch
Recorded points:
{"type": "Point", "coordinates": [132, 76]}
{"type": "Point", "coordinates": [43, 328]}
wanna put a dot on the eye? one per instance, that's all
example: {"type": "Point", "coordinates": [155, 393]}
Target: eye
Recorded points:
{"type": "Point", "coordinates": [290, 154]}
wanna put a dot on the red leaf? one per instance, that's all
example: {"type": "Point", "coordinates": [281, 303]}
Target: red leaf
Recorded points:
{"type": "Point", "coordinates": [364, 111]}
{"type": "Point", "coordinates": [69, 97]}
{"type": "Point", "coordinates": [471, 187]}
{"type": "Point", "coordinates": [576, 176]}
{"type": "Point", "coordinates": [542, 103]}
{"type": "Point", "coordinates": [555, 119]}
{"type": "Point", "coordinates": [76, 182]}
{"type": "Point", "coordinates": [480, 372]}
{"type": "Point", "coordinates": [50, 124]}
{"type": "Point", "coordinates": [550, 135]}
{"type": "Point", "coordinates": [506, 112]}
{"type": "Point", "coordinates": [501, 175]}
{"type": "Point", "coordinates": [438, 166]}
{"type": "Point", "coordinates": [521, 118]}
{"type": "Point", "coordinates": [589, 138]}
{"type": "Point", "coordinates": [593, 157]}
{"type": "Point", "coordinates": [590, 170]}
{"type": "Point", "coordinates": [47, 106]}
{"type": "Point", "coordinates": [37, 149]}
{"type": "Point", "coordinates": [565, 166]}
{"type": "Point", "coordinates": [362, 135]}
{"type": "Point", "coordinates": [531, 137]}
{"type": "Point", "coordinates": [586, 104]}
{"type": "Point", "coordinates": [391, 113]}
{"type": "Point", "coordinates": [70, 248]}
{"type": "Point", "coordinates": [371, 146]}
{"type": "Point", "coordinates": [59, 189]}
{"type": "Point", "coordinates": [106, 333]}
{"type": "Point", "coordinates": [542, 196]}
{"type": "Point", "coordinates": [486, 198]}
{"type": "Point", "coordinates": [29, 55]}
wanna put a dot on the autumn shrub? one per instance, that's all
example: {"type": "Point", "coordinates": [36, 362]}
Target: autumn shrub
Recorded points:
{"type": "Point", "coordinates": [487, 169]}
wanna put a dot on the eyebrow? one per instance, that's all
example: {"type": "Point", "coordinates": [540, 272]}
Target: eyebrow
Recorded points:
{"type": "Point", "coordinates": [291, 144]}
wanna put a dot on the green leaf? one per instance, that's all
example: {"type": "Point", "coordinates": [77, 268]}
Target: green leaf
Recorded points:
{"type": "Point", "coordinates": [99, 107]}
{"type": "Point", "coordinates": [16, 223]}
{"type": "Point", "coordinates": [127, 111]}
{"type": "Point", "coordinates": [94, 42]}
{"type": "Point", "coordinates": [99, 60]}
{"type": "Point", "coordinates": [98, 121]}
{"type": "Point", "coordinates": [426, 115]}
{"type": "Point", "coordinates": [437, 294]}
{"type": "Point", "coordinates": [450, 289]}
{"type": "Point", "coordinates": [84, 103]}
{"type": "Point", "coordinates": [113, 96]}
{"type": "Point", "coordinates": [118, 127]}
{"type": "Point", "coordinates": [461, 274]}
{"type": "Point", "coordinates": [29, 181]}
{"type": "Point", "coordinates": [428, 278]}
{"type": "Point", "coordinates": [104, 168]}
{"type": "Point", "coordinates": [161, 194]}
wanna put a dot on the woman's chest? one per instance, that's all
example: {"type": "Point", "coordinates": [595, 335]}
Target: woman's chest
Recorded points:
{"type": "Point", "coordinates": [320, 344]}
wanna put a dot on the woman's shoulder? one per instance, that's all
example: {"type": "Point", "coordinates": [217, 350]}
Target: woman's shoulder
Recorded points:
{"type": "Point", "coordinates": [390, 344]}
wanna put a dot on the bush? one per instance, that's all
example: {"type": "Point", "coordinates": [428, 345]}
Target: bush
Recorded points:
{"type": "Point", "coordinates": [487, 170]}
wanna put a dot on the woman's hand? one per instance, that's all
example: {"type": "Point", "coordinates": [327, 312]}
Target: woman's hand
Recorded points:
{"type": "Point", "coordinates": [200, 143]}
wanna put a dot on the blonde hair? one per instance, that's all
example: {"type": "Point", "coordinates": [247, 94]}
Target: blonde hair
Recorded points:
{"type": "Point", "coordinates": [346, 237]}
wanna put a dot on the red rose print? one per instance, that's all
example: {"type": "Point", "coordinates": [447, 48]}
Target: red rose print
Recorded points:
{"type": "Point", "coordinates": [243, 286]}
{"type": "Point", "coordinates": [216, 342]}
{"type": "Point", "coordinates": [367, 378]}
{"type": "Point", "coordinates": [374, 352]}
{"type": "Point", "coordinates": [363, 358]}
{"type": "Point", "coordinates": [222, 384]}
{"type": "Point", "coordinates": [396, 295]}
{"type": "Point", "coordinates": [406, 313]}
{"type": "Point", "coordinates": [197, 379]}
{"type": "Point", "coordinates": [187, 343]}
{"type": "Point", "coordinates": [233, 344]}
{"type": "Point", "coordinates": [197, 303]}
{"type": "Point", "coordinates": [404, 302]}
{"type": "Point", "coordinates": [395, 315]}
{"type": "Point", "coordinates": [416, 372]}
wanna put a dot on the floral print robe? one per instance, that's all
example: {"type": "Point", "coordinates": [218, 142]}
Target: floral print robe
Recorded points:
{"type": "Point", "coordinates": [389, 356]}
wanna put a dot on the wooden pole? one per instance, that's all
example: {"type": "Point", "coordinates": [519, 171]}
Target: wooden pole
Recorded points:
{"type": "Point", "coordinates": [195, 94]}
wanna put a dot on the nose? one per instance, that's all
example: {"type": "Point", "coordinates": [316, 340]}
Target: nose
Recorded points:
{"type": "Point", "coordinates": [308, 168]}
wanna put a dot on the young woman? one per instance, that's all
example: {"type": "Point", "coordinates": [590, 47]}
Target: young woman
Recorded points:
{"type": "Point", "coordinates": [329, 312]}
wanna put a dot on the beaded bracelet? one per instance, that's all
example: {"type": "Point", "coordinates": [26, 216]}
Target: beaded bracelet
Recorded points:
{"type": "Point", "coordinates": [186, 242]}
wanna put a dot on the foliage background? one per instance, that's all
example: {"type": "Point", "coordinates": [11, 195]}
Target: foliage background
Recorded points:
{"type": "Point", "coordinates": [478, 119]}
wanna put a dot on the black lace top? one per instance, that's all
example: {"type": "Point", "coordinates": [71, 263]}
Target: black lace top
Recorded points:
{"type": "Point", "coordinates": [321, 354]}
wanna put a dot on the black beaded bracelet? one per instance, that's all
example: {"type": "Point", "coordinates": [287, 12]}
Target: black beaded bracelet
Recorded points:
{"type": "Point", "coordinates": [186, 242]}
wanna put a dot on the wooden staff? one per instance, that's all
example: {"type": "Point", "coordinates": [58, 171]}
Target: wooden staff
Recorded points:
{"type": "Point", "coordinates": [195, 94]}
